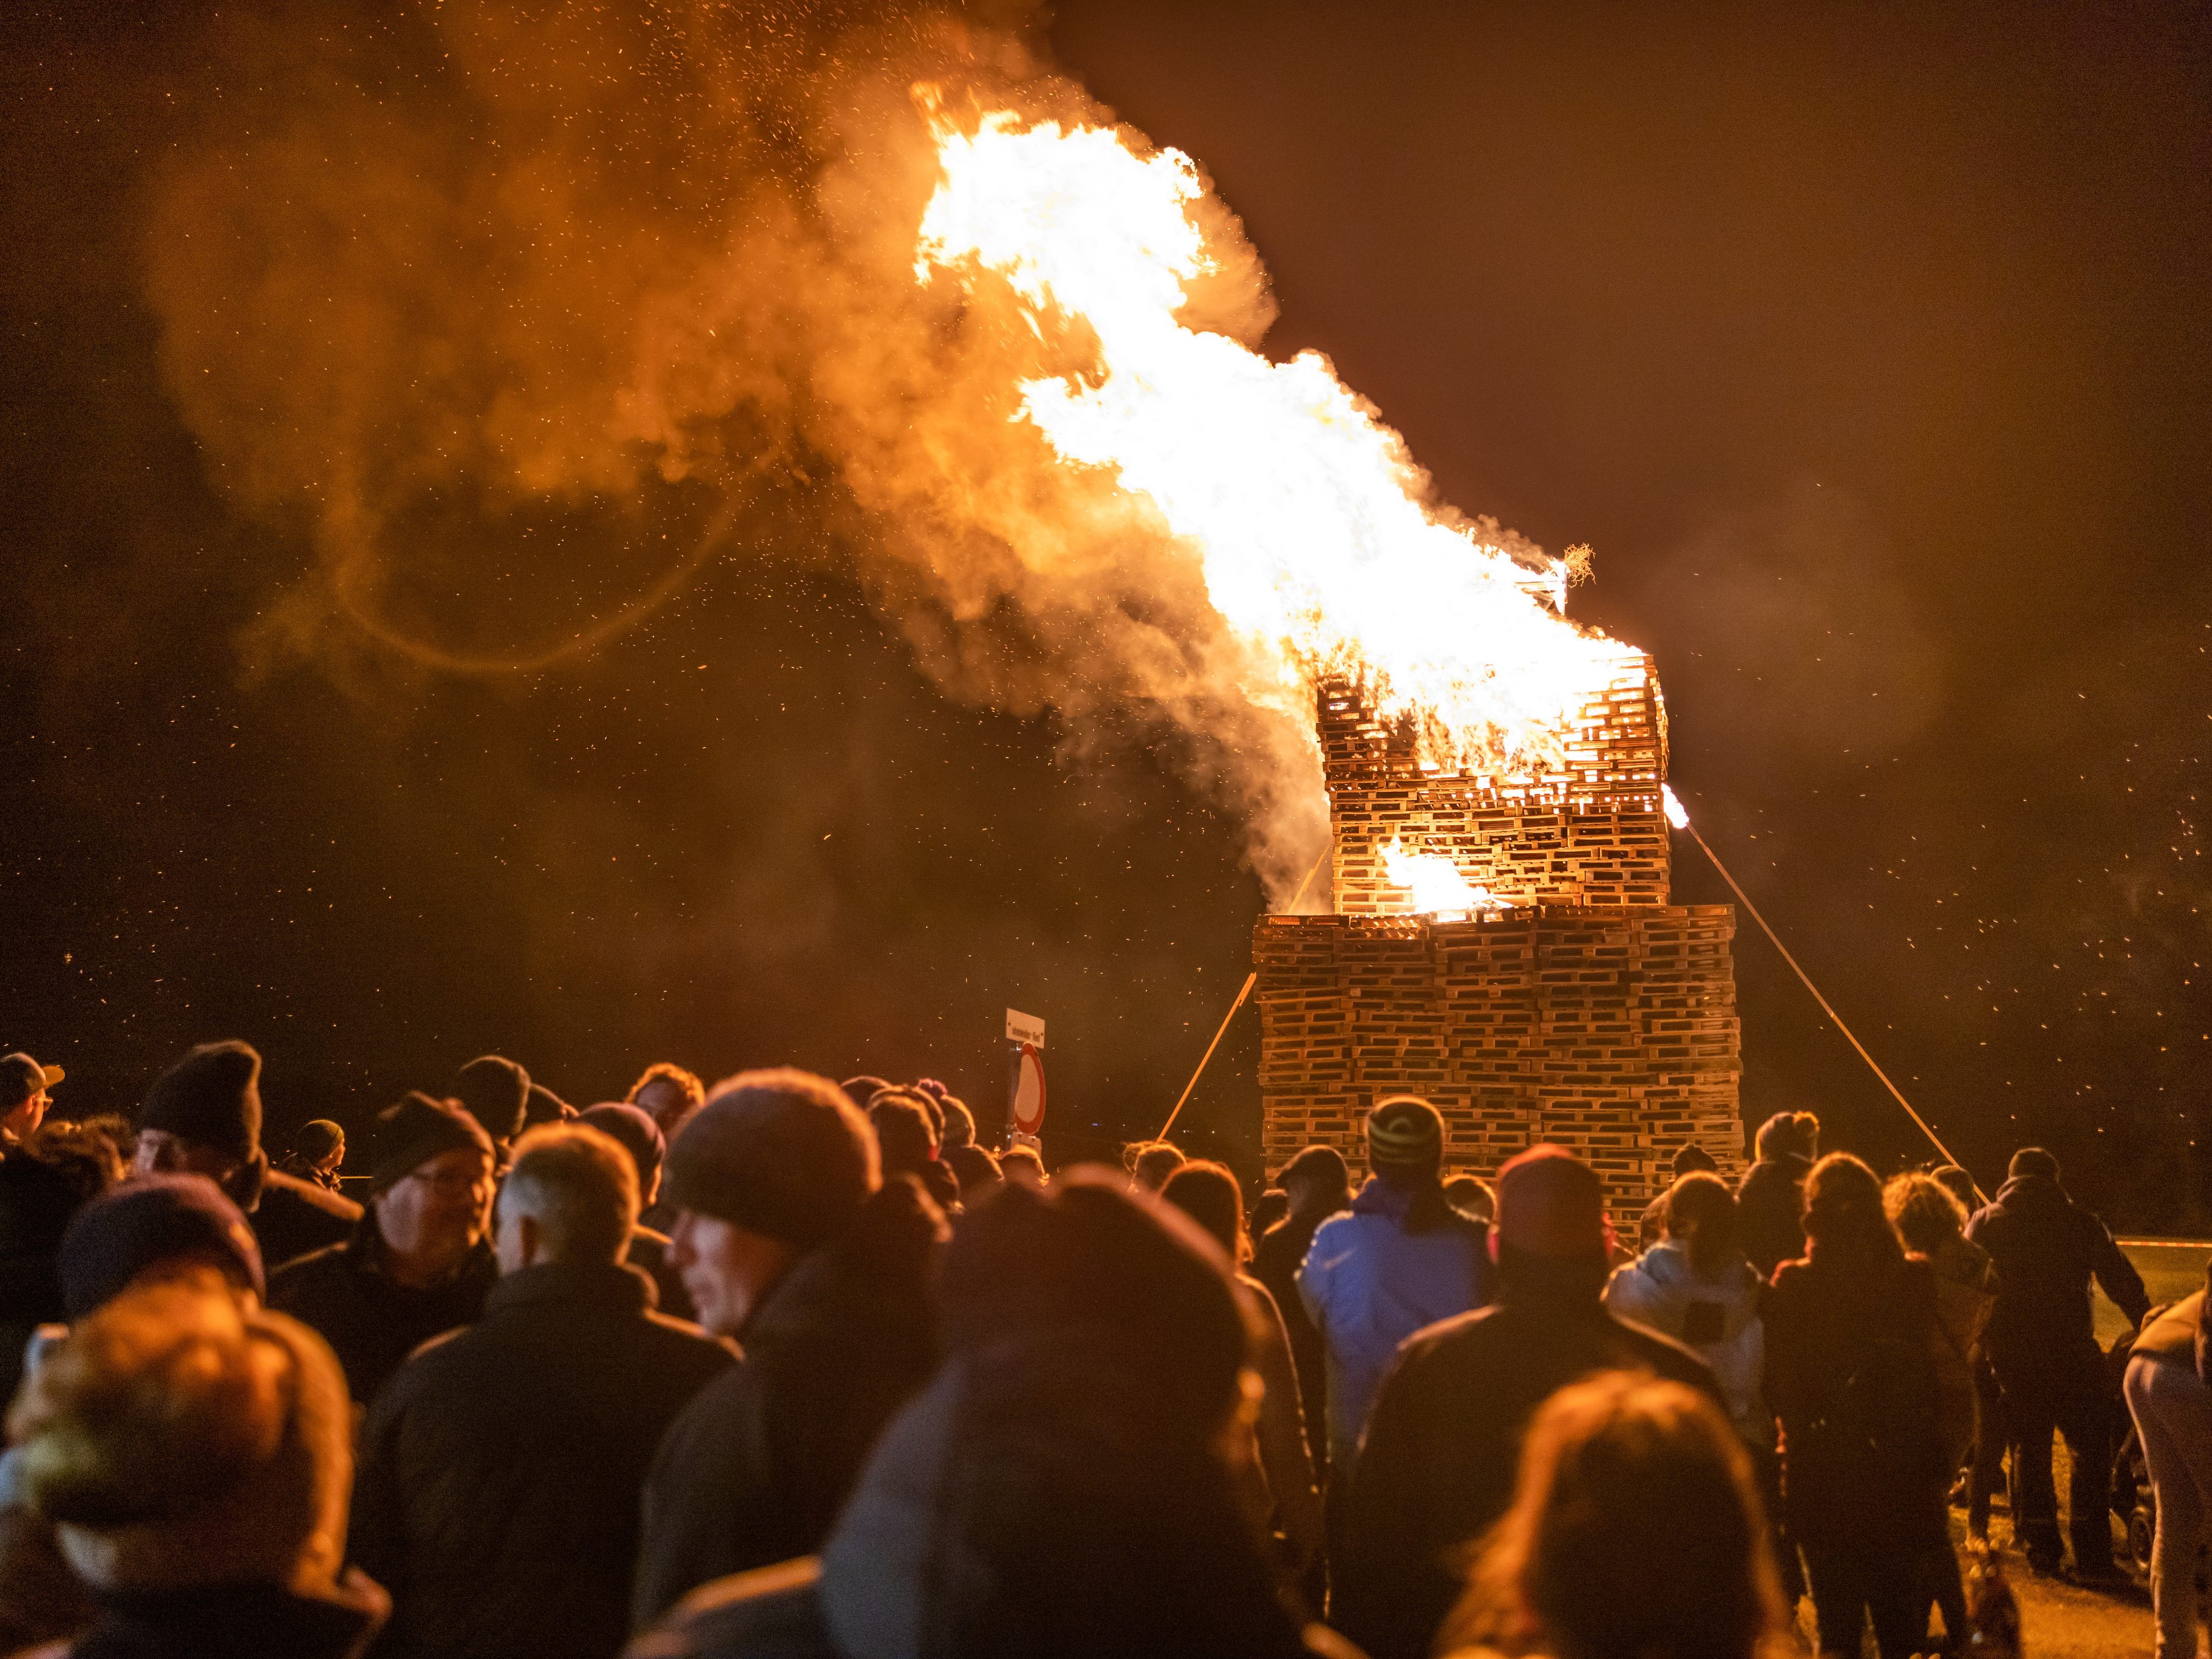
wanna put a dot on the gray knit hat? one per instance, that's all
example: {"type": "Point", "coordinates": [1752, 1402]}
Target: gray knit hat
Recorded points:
{"type": "Point", "coordinates": [783, 1152]}
{"type": "Point", "coordinates": [1405, 1133]}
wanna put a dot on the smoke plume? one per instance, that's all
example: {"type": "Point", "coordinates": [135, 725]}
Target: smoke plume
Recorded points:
{"type": "Point", "coordinates": [519, 313]}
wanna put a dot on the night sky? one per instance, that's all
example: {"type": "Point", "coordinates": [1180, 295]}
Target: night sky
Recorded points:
{"type": "Point", "coordinates": [1870, 347]}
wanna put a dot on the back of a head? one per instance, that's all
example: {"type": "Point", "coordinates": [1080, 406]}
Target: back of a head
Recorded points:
{"type": "Point", "coordinates": [1844, 1215]}
{"type": "Point", "coordinates": [1701, 1212]}
{"type": "Point", "coordinates": [1693, 1159]}
{"type": "Point", "coordinates": [2034, 1162]}
{"type": "Point", "coordinates": [580, 1186]}
{"type": "Point", "coordinates": [1405, 1141]}
{"type": "Point", "coordinates": [1924, 1211]}
{"type": "Point", "coordinates": [904, 1131]}
{"type": "Point", "coordinates": [959, 1121]}
{"type": "Point", "coordinates": [668, 1094]}
{"type": "Point", "coordinates": [1472, 1196]}
{"type": "Point", "coordinates": [782, 1152]}
{"type": "Point", "coordinates": [975, 1169]}
{"type": "Point", "coordinates": [210, 1097]}
{"type": "Point", "coordinates": [633, 1129]}
{"type": "Point", "coordinates": [1031, 1265]}
{"type": "Point", "coordinates": [1634, 1529]}
{"type": "Point", "coordinates": [495, 1091]}
{"type": "Point", "coordinates": [1551, 1234]}
{"type": "Point", "coordinates": [1208, 1193]}
{"type": "Point", "coordinates": [1790, 1134]}
{"type": "Point", "coordinates": [1270, 1207]}
{"type": "Point", "coordinates": [175, 1438]}
{"type": "Point", "coordinates": [1149, 1162]}
{"type": "Point", "coordinates": [59, 1168]}
{"type": "Point", "coordinates": [1959, 1184]}
{"type": "Point", "coordinates": [863, 1089]}
{"type": "Point", "coordinates": [1023, 1163]}
{"type": "Point", "coordinates": [1320, 1171]}
{"type": "Point", "coordinates": [154, 1221]}
{"type": "Point", "coordinates": [542, 1105]}
{"type": "Point", "coordinates": [318, 1139]}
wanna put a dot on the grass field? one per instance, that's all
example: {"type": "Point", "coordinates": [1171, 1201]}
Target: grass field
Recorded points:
{"type": "Point", "coordinates": [2171, 1268]}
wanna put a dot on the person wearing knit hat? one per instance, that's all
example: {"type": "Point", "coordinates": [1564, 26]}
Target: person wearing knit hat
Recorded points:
{"type": "Point", "coordinates": [1400, 1258]}
{"type": "Point", "coordinates": [203, 1117]}
{"type": "Point", "coordinates": [23, 1087]}
{"type": "Point", "coordinates": [154, 1221]}
{"type": "Point", "coordinates": [495, 1091]}
{"type": "Point", "coordinates": [418, 1262]}
{"type": "Point", "coordinates": [193, 1454]}
{"type": "Point", "coordinates": [2041, 1345]}
{"type": "Point", "coordinates": [789, 1240]}
{"type": "Point", "coordinates": [1438, 1465]}
{"type": "Point", "coordinates": [634, 1130]}
{"type": "Point", "coordinates": [318, 1154]}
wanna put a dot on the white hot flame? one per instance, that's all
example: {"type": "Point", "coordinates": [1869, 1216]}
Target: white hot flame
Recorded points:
{"type": "Point", "coordinates": [1677, 814]}
{"type": "Point", "coordinates": [1309, 518]}
{"type": "Point", "coordinates": [1437, 887]}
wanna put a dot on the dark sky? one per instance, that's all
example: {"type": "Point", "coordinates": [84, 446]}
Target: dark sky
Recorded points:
{"type": "Point", "coordinates": [1869, 346]}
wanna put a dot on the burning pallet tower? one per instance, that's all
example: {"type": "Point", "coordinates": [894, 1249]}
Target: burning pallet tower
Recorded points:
{"type": "Point", "coordinates": [1581, 1009]}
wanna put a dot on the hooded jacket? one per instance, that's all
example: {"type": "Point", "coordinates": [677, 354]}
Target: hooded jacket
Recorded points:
{"type": "Point", "coordinates": [2046, 1248]}
{"type": "Point", "coordinates": [1716, 1317]}
{"type": "Point", "coordinates": [1443, 1442]}
{"type": "Point", "coordinates": [1027, 1505]}
{"type": "Point", "coordinates": [1368, 1283]}
{"type": "Point", "coordinates": [496, 1498]}
{"type": "Point", "coordinates": [754, 1469]}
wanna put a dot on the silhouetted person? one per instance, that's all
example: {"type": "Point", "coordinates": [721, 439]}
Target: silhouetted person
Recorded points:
{"type": "Point", "coordinates": [24, 1096]}
{"type": "Point", "coordinates": [1207, 1191]}
{"type": "Point", "coordinates": [1319, 1185]}
{"type": "Point", "coordinates": [1400, 1259]}
{"type": "Point", "coordinates": [906, 1139]}
{"type": "Point", "coordinates": [495, 1091]}
{"type": "Point", "coordinates": [789, 1241]}
{"type": "Point", "coordinates": [500, 1469]}
{"type": "Point", "coordinates": [1771, 1197]}
{"type": "Point", "coordinates": [1850, 1334]}
{"type": "Point", "coordinates": [668, 1094]}
{"type": "Point", "coordinates": [417, 1264]}
{"type": "Point", "coordinates": [542, 1106]}
{"type": "Point", "coordinates": [1023, 1163]}
{"type": "Point", "coordinates": [203, 1117]}
{"type": "Point", "coordinates": [2046, 1248]}
{"type": "Point", "coordinates": [1061, 1487]}
{"type": "Point", "coordinates": [1149, 1162]}
{"type": "Point", "coordinates": [1637, 1529]}
{"type": "Point", "coordinates": [45, 1179]}
{"type": "Point", "coordinates": [318, 1154]}
{"type": "Point", "coordinates": [636, 1133]}
{"type": "Point", "coordinates": [1443, 1441]}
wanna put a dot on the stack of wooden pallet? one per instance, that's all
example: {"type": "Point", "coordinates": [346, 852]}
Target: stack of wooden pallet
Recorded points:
{"type": "Point", "coordinates": [1590, 1013]}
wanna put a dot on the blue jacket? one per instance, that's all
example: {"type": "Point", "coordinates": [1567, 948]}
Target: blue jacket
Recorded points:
{"type": "Point", "coordinates": [1368, 1285]}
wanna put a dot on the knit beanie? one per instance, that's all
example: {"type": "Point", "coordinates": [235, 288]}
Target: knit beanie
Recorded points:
{"type": "Point", "coordinates": [631, 1128]}
{"type": "Point", "coordinates": [122, 1233]}
{"type": "Point", "coordinates": [495, 1092]}
{"type": "Point", "coordinates": [211, 1098]}
{"type": "Point", "coordinates": [1405, 1136]}
{"type": "Point", "coordinates": [1551, 1204]}
{"type": "Point", "coordinates": [318, 1139]}
{"type": "Point", "coordinates": [175, 1439]}
{"type": "Point", "coordinates": [418, 1129]}
{"type": "Point", "coordinates": [2032, 1161]}
{"type": "Point", "coordinates": [782, 1153]}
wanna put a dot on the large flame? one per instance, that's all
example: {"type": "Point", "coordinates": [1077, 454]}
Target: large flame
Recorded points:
{"type": "Point", "coordinates": [1437, 887]}
{"type": "Point", "coordinates": [1306, 512]}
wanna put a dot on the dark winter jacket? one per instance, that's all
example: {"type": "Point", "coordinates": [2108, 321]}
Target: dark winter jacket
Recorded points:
{"type": "Point", "coordinates": [1851, 1372]}
{"type": "Point", "coordinates": [371, 1321]}
{"type": "Point", "coordinates": [756, 1468]}
{"type": "Point", "coordinates": [1443, 1444]}
{"type": "Point", "coordinates": [497, 1494]}
{"type": "Point", "coordinates": [2046, 1248]}
{"type": "Point", "coordinates": [1276, 1260]}
{"type": "Point", "coordinates": [292, 1217]}
{"type": "Point", "coordinates": [230, 1621]}
{"type": "Point", "coordinates": [1372, 1280]}
{"type": "Point", "coordinates": [1769, 1211]}
{"type": "Point", "coordinates": [648, 1254]}
{"type": "Point", "coordinates": [1027, 1504]}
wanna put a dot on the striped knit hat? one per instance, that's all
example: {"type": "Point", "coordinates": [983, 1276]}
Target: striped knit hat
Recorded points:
{"type": "Point", "coordinates": [1405, 1134]}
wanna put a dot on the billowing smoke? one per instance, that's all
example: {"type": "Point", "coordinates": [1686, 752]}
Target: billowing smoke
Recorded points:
{"type": "Point", "coordinates": [574, 294]}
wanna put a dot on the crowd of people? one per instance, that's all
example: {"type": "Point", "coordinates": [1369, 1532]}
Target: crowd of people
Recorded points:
{"type": "Point", "coordinates": [793, 1369]}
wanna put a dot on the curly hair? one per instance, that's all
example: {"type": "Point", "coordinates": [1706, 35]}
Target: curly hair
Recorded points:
{"type": "Point", "coordinates": [1925, 1212]}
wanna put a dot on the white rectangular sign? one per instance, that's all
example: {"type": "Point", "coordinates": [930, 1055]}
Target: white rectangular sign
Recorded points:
{"type": "Point", "coordinates": [1024, 1028]}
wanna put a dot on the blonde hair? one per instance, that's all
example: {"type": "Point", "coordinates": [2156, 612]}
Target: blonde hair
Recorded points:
{"type": "Point", "coordinates": [1636, 1529]}
{"type": "Point", "coordinates": [1926, 1213]}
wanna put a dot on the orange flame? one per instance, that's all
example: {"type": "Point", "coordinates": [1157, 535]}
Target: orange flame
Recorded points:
{"type": "Point", "coordinates": [1306, 512]}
